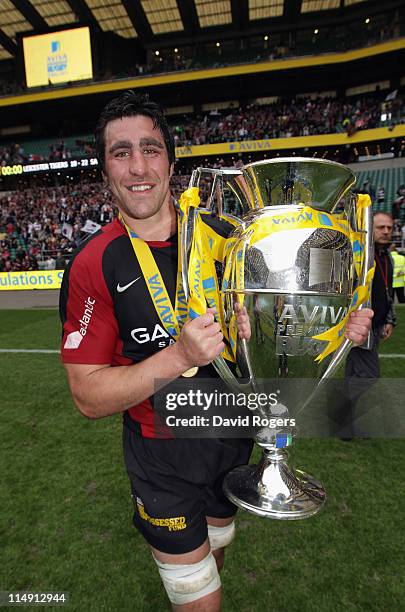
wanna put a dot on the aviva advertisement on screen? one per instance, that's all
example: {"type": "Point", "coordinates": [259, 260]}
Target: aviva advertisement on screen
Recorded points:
{"type": "Point", "coordinates": [58, 57]}
{"type": "Point", "coordinates": [48, 279]}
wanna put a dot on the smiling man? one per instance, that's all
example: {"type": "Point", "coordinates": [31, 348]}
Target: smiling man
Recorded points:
{"type": "Point", "coordinates": [116, 343]}
{"type": "Point", "coordinates": [139, 170]}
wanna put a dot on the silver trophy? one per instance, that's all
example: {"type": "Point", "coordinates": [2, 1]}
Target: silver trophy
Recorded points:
{"type": "Point", "coordinates": [300, 248]}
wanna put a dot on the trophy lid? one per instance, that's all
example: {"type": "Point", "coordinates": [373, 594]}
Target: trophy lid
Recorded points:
{"type": "Point", "coordinates": [293, 181]}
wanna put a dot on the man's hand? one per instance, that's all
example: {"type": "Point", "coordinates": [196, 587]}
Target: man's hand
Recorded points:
{"type": "Point", "coordinates": [359, 326]}
{"type": "Point", "coordinates": [387, 331]}
{"type": "Point", "coordinates": [200, 341]}
{"type": "Point", "coordinates": [242, 321]}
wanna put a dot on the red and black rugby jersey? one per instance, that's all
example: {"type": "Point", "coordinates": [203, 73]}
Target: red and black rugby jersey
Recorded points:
{"type": "Point", "coordinates": [106, 311]}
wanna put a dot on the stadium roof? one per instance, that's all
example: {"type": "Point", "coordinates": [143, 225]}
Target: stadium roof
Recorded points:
{"type": "Point", "coordinates": [176, 21]}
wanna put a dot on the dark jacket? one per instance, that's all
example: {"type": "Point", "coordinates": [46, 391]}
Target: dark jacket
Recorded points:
{"type": "Point", "coordinates": [382, 299]}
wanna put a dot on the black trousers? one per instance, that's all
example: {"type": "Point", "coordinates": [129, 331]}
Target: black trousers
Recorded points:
{"type": "Point", "coordinates": [400, 293]}
{"type": "Point", "coordinates": [362, 369]}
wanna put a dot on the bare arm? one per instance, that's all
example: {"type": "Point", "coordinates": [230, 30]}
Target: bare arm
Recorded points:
{"type": "Point", "coordinates": [102, 390]}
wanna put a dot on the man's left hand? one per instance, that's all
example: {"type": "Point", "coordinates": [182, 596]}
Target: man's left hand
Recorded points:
{"type": "Point", "coordinates": [359, 326]}
{"type": "Point", "coordinates": [388, 329]}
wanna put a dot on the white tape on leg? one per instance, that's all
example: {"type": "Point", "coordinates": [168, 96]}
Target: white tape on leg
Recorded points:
{"type": "Point", "coordinates": [187, 583]}
{"type": "Point", "coordinates": [220, 537]}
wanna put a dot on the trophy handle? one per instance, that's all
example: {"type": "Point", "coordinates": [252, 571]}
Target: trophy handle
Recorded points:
{"type": "Point", "coordinates": [369, 244]}
{"type": "Point", "coordinates": [228, 376]}
{"type": "Point", "coordinates": [214, 204]}
{"type": "Point", "coordinates": [368, 262]}
{"type": "Point", "coordinates": [345, 347]}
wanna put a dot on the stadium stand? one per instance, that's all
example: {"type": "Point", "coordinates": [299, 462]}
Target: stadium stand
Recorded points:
{"type": "Point", "coordinates": [43, 213]}
{"type": "Point", "coordinates": [337, 37]}
{"type": "Point", "coordinates": [46, 149]}
{"type": "Point", "coordinates": [388, 179]}
{"type": "Point", "coordinates": [41, 227]}
{"type": "Point", "coordinates": [297, 116]}
{"type": "Point", "coordinates": [40, 224]}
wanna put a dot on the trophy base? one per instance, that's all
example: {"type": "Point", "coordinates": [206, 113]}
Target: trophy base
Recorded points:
{"type": "Point", "coordinates": [274, 490]}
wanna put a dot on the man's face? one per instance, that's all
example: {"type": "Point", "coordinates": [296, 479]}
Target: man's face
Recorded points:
{"type": "Point", "coordinates": [136, 166]}
{"type": "Point", "coordinates": [383, 229]}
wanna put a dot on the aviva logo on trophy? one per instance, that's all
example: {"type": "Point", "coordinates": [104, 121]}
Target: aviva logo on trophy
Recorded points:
{"type": "Point", "coordinates": [300, 259]}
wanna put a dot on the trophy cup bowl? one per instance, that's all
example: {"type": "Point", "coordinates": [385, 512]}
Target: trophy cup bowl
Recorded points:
{"type": "Point", "coordinates": [290, 262]}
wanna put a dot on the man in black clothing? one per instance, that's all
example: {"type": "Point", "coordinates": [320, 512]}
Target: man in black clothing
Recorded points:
{"type": "Point", "coordinates": [364, 364]}
{"type": "Point", "coordinates": [382, 295]}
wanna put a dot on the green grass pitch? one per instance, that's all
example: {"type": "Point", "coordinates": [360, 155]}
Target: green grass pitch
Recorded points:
{"type": "Point", "coordinates": [66, 508]}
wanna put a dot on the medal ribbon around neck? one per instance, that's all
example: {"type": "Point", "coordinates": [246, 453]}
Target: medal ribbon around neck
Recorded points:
{"type": "Point", "coordinates": [171, 319]}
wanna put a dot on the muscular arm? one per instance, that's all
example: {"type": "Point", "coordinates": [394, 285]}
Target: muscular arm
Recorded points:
{"type": "Point", "coordinates": [103, 390]}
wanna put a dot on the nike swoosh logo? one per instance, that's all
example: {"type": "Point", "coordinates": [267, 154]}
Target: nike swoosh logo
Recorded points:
{"type": "Point", "coordinates": [125, 287]}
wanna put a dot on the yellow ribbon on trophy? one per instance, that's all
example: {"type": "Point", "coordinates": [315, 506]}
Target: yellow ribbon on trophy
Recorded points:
{"type": "Point", "coordinates": [234, 250]}
{"type": "Point", "coordinates": [358, 238]}
{"type": "Point", "coordinates": [305, 217]}
{"type": "Point", "coordinates": [335, 335]}
{"type": "Point", "coordinates": [206, 247]}
{"type": "Point", "coordinates": [234, 257]}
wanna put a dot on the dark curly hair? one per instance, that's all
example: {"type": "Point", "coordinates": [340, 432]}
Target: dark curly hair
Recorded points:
{"type": "Point", "coordinates": [130, 104]}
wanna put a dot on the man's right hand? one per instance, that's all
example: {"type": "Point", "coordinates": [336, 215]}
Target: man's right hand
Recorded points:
{"type": "Point", "coordinates": [200, 341]}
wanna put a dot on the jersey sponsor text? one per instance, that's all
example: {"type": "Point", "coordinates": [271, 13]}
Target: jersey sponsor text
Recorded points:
{"type": "Point", "coordinates": [141, 335]}
{"type": "Point", "coordinates": [86, 316]}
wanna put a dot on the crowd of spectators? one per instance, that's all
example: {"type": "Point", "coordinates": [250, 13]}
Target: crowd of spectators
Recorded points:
{"type": "Point", "coordinates": [40, 227]}
{"type": "Point", "coordinates": [301, 116]}
{"type": "Point", "coordinates": [14, 153]}
{"type": "Point", "coordinates": [287, 118]}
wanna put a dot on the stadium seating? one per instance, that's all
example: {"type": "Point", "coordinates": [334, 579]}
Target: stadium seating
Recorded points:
{"type": "Point", "coordinates": [85, 200]}
{"type": "Point", "coordinates": [388, 178]}
{"type": "Point", "coordinates": [287, 117]}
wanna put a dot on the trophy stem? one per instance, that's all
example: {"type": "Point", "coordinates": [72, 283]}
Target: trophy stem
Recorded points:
{"type": "Point", "coordinates": [273, 489]}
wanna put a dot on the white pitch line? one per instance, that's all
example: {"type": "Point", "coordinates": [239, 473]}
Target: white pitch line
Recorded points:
{"type": "Point", "coordinates": [28, 351]}
{"type": "Point", "coordinates": [4, 350]}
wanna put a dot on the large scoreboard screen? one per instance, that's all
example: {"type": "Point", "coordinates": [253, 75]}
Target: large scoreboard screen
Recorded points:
{"type": "Point", "coordinates": [58, 57]}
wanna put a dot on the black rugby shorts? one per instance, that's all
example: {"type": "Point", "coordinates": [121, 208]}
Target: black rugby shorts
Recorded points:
{"type": "Point", "coordinates": [176, 483]}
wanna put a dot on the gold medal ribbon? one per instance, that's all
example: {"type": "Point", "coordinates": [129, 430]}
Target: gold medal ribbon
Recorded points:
{"type": "Point", "coordinates": [172, 319]}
